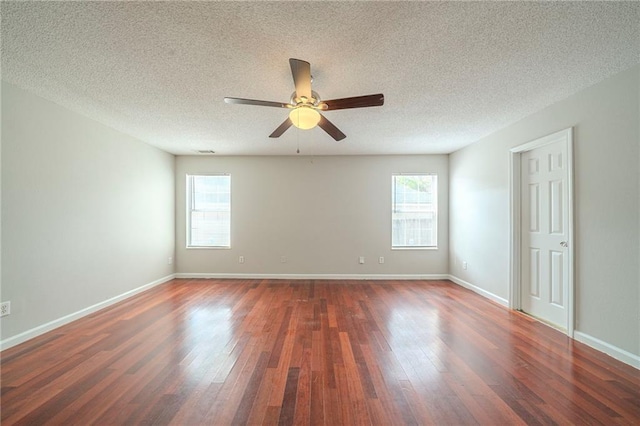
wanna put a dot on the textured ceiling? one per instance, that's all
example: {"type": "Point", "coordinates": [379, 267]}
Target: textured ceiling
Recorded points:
{"type": "Point", "coordinates": [451, 72]}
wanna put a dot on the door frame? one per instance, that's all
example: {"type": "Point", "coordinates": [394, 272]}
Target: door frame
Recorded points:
{"type": "Point", "coordinates": [515, 284]}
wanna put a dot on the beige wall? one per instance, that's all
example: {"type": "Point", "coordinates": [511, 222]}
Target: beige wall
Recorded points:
{"type": "Point", "coordinates": [322, 213]}
{"type": "Point", "coordinates": [606, 125]}
{"type": "Point", "coordinates": [87, 212]}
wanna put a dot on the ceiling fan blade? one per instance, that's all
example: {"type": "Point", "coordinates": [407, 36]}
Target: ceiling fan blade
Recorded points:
{"type": "Point", "coordinates": [301, 71]}
{"type": "Point", "coordinates": [330, 128]}
{"type": "Point", "coordinates": [281, 128]}
{"type": "Point", "coordinates": [355, 102]}
{"type": "Point", "coordinates": [242, 101]}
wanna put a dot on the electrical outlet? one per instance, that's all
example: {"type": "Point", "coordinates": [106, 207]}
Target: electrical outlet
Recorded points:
{"type": "Point", "coordinates": [361, 260]}
{"type": "Point", "coordinates": [381, 260]}
{"type": "Point", "coordinates": [5, 309]}
{"type": "Point", "coordinates": [464, 265]}
{"type": "Point", "coordinates": [241, 259]}
{"type": "Point", "coordinates": [170, 260]}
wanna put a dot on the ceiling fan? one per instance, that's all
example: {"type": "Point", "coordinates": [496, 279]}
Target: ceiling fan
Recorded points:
{"type": "Point", "coordinates": [305, 104]}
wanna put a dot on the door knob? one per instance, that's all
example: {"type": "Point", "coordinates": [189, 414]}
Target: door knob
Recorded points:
{"type": "Point", "coordinates": [563, 243]}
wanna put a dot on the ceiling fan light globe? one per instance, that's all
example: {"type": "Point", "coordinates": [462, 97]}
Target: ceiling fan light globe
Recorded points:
{"type": "Point", "coordinates": [304, 118]}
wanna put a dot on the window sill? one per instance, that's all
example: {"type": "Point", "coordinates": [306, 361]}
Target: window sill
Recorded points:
{"type": "Point", "coordinates": [206, 248]}
{"type": "Point", "coordinates": [414, 248]}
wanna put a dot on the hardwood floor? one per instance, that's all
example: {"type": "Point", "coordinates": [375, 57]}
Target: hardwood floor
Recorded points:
{"type": "Point", "coordinates": [194, 352]}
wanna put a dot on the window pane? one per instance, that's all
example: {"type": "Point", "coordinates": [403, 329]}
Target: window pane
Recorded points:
{"type": "Point", "coordinates": [209, 211]}
{"type": "Point", "coordinates": [211, 192]}
{"type": "Point", "coordinates": [414, 215]}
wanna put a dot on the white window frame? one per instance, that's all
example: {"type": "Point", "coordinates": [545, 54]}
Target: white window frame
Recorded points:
{"type": "Point", "coordinates": [435, 205]}
{"type": "Point", "coordinates": [189, 209]}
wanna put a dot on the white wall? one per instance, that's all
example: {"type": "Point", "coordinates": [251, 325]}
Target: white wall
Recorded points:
{"type": "Point", "coordinates": [322, 213]}
{"type": "Point", "coordinates": [87, 212]}
{"type": "Point", "coordinates": [606, 121]}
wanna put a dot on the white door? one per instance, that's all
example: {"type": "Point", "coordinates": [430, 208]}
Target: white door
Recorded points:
{"type": "Point", "coordinates": [545, 233]}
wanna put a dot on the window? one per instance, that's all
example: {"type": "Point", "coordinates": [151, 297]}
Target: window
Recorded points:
{"type": "Point", "coordinates": [414, 216]}
{"type": "Point", "coordinates": [208, 211]}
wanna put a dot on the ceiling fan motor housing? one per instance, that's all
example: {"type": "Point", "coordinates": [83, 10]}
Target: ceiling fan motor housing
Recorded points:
{"type": "Point", "coordinates": [302, 100]}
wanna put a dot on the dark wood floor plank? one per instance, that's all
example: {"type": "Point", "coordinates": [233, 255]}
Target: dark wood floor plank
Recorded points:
{"type": "Point", "coordinates": [312, 352]}
{"type": "Point", "coordinates": [289, 401]}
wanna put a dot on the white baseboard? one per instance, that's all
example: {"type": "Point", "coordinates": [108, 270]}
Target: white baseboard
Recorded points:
{"type": "Point", "coordinates": [51, 325]}
{"type": "Point", "coordinates": [316, 276]}
{"type": "Point", "coordinates": [480, 291]}
{"type": "Point", "coordinates": [609, 349]}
